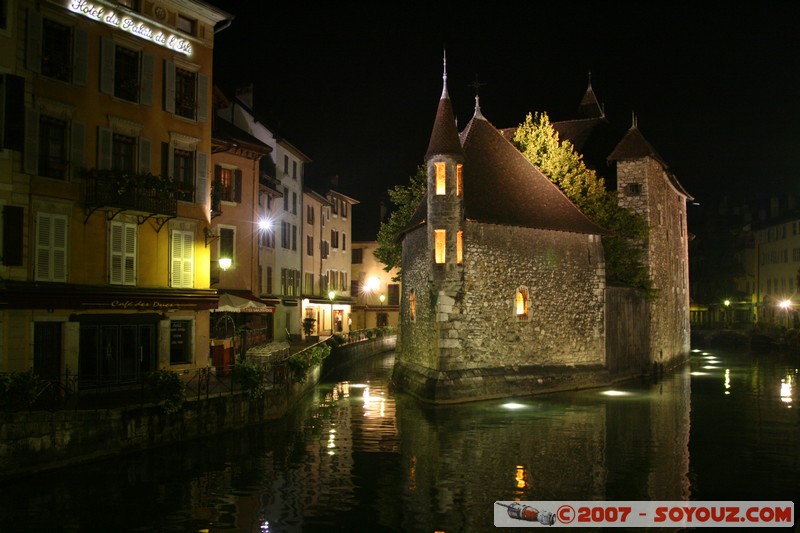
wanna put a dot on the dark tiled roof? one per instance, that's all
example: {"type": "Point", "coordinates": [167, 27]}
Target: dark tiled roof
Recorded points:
{"type": "Point", "coordinates": [502, 187]}
{"type": "Point", "coordinates": [634, 146]}
{"type": "Point", "coordinates": [589, 106]}
{"type": "Point", "coordinates": [444, 137]}
{"type": "Point", "coordinates": [225, 132]}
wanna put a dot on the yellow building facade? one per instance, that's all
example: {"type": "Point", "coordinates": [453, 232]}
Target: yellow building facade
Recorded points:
{"type": "Point", "coordinates": [105, 181]}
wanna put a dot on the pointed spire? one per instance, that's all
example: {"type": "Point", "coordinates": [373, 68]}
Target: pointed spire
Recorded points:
{"type": "Point", "coordinates": [444, 75]}
{"type": "Point", "coordinates": [589, 106]}
{"type": "Point", "coordinates": [634, 121]}
{"type": "Point", "coordinates": [444, 137]}
{"type": "Point", "coordinates": [478, 113]}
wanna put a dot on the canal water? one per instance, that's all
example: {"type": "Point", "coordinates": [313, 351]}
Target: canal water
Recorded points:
{"type": "Point", "coordinates": [357, 455]}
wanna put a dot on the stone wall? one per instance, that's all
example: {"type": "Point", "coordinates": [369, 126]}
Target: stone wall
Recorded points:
{"type": "Point", "coordinates": [627, 332]}
{"type": "Point", "coordinates": [466, 341]}
{"type": "Point", "coordinates": [667, 255]}
{"type": "Point", "coordinates": [40, 440]}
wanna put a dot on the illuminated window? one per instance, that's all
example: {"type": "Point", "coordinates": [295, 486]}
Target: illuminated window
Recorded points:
{"type": "Point", "coordinates": [521, 303]}
{"type": "Point", "coordinates": [440, 236]}
{"type": "Point", "coordinates": [440, 178]}
{"type": "Point", "coordinates": [459, 173]}
{"type": "Point", "coordinates": [459, 247]}
{"type": "Point", "coordinates": [412, 305]}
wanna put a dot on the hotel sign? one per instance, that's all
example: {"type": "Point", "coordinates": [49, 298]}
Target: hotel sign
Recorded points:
{"type": "Point", "coordinates": [131, 25]}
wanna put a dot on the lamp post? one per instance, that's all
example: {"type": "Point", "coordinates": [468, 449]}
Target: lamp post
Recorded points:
{"type": "Point", "coordinates": [727, 308]}
{"type": "Point", "coordinates": [332, 296]}
{"type": "Point", "coordinates": [786, 305]}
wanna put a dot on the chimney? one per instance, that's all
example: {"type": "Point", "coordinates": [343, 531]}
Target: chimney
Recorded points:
{"type": "Point", "coordinates": [245, 95]}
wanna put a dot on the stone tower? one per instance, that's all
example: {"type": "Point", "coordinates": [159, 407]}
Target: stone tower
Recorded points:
{"type": "Point", "coordinates": [647, 186]}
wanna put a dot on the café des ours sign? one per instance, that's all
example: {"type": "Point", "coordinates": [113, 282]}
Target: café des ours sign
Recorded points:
{"type": "Point", "coordinates": [131, 25]}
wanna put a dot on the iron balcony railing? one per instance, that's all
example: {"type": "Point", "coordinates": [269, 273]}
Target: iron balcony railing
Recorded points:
{"type": "Point", "coordinates": [145, 194]}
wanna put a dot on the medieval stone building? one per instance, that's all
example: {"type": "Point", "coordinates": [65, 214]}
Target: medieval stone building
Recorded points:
{"type": "Point", "coordinates": [503, 278]}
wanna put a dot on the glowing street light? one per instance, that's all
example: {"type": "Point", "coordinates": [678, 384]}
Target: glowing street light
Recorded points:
{"type": "Point", "coordinates": [224, 263]}
{"type": "Point", "coordinates": [786, 305]}
{"type": "Point", "coordinates": [332, 296]}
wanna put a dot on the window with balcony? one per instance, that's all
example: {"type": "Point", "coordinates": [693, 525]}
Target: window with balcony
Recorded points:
{"type": "Point", "coordinates": [123, 153]}
{"type": "Point", "coordinates": [122, 252]}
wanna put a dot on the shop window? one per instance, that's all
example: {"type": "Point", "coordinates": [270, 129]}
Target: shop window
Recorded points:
{"type": "Point", "coordinates": [180, 342]}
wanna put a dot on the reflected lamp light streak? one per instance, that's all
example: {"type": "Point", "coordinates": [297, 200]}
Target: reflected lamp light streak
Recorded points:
{"type": "Point", "coordinates": [727, 381]}
{"type": "Point", "coordinates": [615, 393]}
{"type": "Point", "coordinates": [512, 405]}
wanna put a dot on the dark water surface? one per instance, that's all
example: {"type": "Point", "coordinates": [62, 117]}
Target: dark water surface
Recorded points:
{"type": "Point", "coordinates": [357, 455]}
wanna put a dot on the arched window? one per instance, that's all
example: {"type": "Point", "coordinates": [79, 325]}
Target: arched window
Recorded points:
{"type": "Point", "coordinates": [521, 303]}
{"type": "Point", "coordinates": [440, 178]}
{"type": "Point", "coordinates": [412, 305]}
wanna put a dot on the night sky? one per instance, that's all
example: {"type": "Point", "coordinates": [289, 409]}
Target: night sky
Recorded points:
{"type": "Point", "coordinates": [713, 89]}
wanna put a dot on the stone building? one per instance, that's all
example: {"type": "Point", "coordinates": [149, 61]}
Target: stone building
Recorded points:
{"type": "Point", "coordinates": [503, 277]}
{"type": "Point", "coordinates": [503, 282]}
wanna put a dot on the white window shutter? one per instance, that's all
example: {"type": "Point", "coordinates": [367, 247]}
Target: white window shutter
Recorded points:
{"type": "Point", "coordinates": [201, 179]}
{"type": "Point", "coordinates": [202, 98]}
{"type": "Point", "coordinates": [116, 253]}
{"type": "Point", "coordinates": [129, 255]}
{"type": "Point", "coordinates": [43, 225]}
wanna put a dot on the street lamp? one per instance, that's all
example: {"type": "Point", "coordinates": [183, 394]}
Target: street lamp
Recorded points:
{"type": "Point", "coordinates": [332, 296]}
{"type": "Point", "coordinates": [786, 305]}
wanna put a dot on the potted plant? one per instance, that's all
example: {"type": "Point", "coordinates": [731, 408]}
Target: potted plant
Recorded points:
{"type": "Point", "coordinates": [308, 326]}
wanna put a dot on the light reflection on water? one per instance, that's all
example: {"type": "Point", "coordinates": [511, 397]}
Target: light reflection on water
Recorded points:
{"type": "Point", "coordinates": [357, 455]}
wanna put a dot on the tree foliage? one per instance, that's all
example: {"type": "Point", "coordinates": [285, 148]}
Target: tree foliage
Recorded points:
{"type": "Point", "coordinates": [558, 160]}
{"type": "Point", "coordinates": [405, 200]}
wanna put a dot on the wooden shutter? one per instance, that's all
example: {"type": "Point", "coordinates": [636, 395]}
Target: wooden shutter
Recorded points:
{"type": "Point", "coordinates": [201, 178]}
{"type": "Point", "coordinates": [145, 155]}
{"type": "Point", "coordinates": [31, 156]}
{"type": "Point", "coordinates": [104, 145]}
{"type": "Point", "coordinates": [148, 79]}
{"type": "Point", "coordinates": [237, 192]}
{"type": "Point", "coordinates": [182, 274]}
{"type": "Point", "coordinates": [122, 253]}
{"type": "Point", "coordinates": [51, 247]}
{"type": "Point", "coordinates": [202, 98]}
{"type": "Point", "coordinates": [76, 147]}
{"type": "Point", "coordinates": [12, 235]}
{"type": "Point", "coordinates": [169, 87]}
{"type": "Point", "coordinates": [33, 57]}
{"type": "Point", "coordinates": [80, 56]}
{"type": "Point", "coordinates": [107, 50]}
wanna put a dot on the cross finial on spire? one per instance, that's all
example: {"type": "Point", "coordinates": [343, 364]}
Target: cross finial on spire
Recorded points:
{"type": "Point", "coordinates": [477, 84]}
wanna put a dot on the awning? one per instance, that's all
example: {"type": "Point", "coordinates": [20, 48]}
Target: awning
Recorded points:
{"type": "Point", "coordinates": [230, 303]}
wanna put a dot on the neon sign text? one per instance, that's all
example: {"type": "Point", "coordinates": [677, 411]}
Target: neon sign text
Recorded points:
{"type": "Point", "coordinates": [130, 25]}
